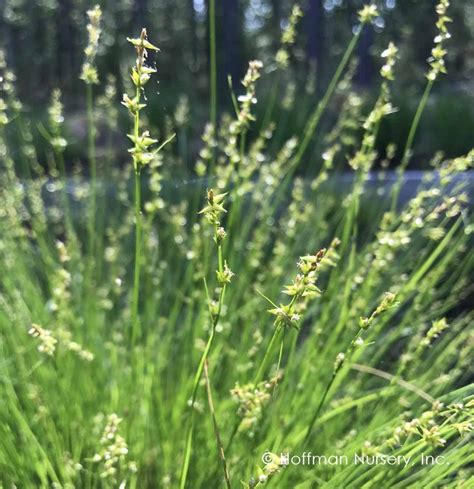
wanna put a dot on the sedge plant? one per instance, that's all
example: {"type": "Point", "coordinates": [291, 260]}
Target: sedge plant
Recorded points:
{"type": "Point", "coordinates": [177, 377]}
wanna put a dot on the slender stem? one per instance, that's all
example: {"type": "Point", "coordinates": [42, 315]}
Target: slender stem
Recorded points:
{"type": "Point", "coordinates": [220, 446]}
{"type": "Point", "coordinates": [234, 431]}
{"type": "Point", "coordinates": [138, 234]}
{"type": "Point", "coordinates": [220, 260]}
{"type": "Point", "coordinates": [197, 378]}
{"type": "Point", "coordinates": [93, 167]}
{"type": "Point", "coordinates": [321, 107]}
{"type": "Point", "coordinates": [265, 357]}
{"type": "Point", "coordinates": [280, 357]}
{"type": "Point", "coordinates": [65, 200]}
{"type": "Point", "coordinates": [409, 144]}
{"type": "Point", "coordinates": [394, 379]}
{"type": "Point", "coordinates": [272, 99]}
{"type": "Point", "coordinates": [136, 274]}
{"type": "Point", "coordinates": [236, 207]}
{"type": "Point", "coordinates": [189, 437]}
{"type": "Point", "coordinates": [200, 369]}
{"type": "Point", "coordinates": [320, 406]}
{"type": "Point", "coordinates": [415, 123]}
{"type": "Point", "coordinates": [314, 121]}
{"type": "Point", "coordinates": [347, 353]}
{"type": "Point", "coordinates": [260, 374]}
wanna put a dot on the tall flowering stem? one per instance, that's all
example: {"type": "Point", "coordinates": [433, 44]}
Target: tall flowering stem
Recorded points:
{"type": "Point", "coordinates": [212, 212]}
{"type": "Point", "coordinates": [387, 302]}
{"type": "Point", "coordinates": [244, 116]}
{"type": "Point", "coordinates": [365, 156]}
{"type": "Point", "coordinates": [141, 154]}
{"type": "Point", "coordinates": [366, 16]}
{"type": "Point", "coordinates": [287, 316]}
{"type": "Point", "coordinates": [90, 77]}
{"type": "Point", "coordinates": [54, 135]}
{"type": "Point", "coordinates": [300, 290]}
{"type": "Point", "coordinates": [282, 59]}
{"type": "Point", "coordinates": [238, 128]}
{"type": "Point", "coordinates": [437, 67]}
{"type": "Point", "coordinates": [218, 436]}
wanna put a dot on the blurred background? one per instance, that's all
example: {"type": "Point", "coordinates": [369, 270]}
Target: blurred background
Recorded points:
{"type": "Point", "coordinates": [44, 42]}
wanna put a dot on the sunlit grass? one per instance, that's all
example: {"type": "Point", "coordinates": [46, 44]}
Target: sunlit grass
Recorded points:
{"type": "Point", "coordinates": [198, 337]}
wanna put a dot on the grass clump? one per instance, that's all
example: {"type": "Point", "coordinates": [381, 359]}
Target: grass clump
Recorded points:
{"type": "Point", "coordinates": [154, 357]}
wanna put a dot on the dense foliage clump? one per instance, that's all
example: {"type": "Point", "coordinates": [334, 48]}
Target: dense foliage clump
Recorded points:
{"type": "Point", "coordinates": [250, 326]}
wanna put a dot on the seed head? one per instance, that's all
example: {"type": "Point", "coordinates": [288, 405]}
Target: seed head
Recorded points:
{"type": "Point", "coordinates": [214, 208]}
{"type": "Point", "coordinates": [387, 303]}
{"type": "Point", "coordinates": [140, 74]}
{"type": "Point", "coordinates": [220, 235]}
{"type": "Point", "coordinates": [89, 71]}
{"type": "Point", "coordinates": [340, 358]}
{"type": "Point", "coordinates": [285, 316]}
{"type": "Point", "coordinates": [46, 338]}
{"type": "Point", "coordinates": [368, 13]}
{"type": "Point", "coordinates": [436, 329]}
{"type": "Point", "coordinates": [225, 276]}
{"type": "Point", "coordinates": [390, 55]}
{"type": "Point", "coordinates": [288, 37]}
{"type": "Point", "coordinates": [438, 53]}
{"type": "Point", "coordinates": [114, 449]}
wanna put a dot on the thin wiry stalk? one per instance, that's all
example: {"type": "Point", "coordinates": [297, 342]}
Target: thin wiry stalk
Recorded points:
{"type": "Point", "coordinates": [409, 143]}
{"type": "Point", "coordinates": [141, 155]}
{"type": "Point", "coordinates": [215, 321]}
{"type": "Point", "coordinates": [280, 358]}
{"type": "Point", "coordinates": [197, 378]}
{"type": "Point", "coordinates": [321, 107]}
{"type": "Point", "coordinates": [264, 361]}
{"type": "Point", "coordinates": [138, 237]}
{"type": "Point", "coordinates": [276, 330]}
{"type": "Point", "coordinates": [220, 446]}
{"type": "Point", "coordinates": [314, 120]}
{"type": "Point", "coordinates": [272, 100]}
{"type": "Point", "coordinates": [394, 379]}
{"type": "Point", "coordinates": [93, 167]}
{"type": "Point", "coordinates": [348, 351]}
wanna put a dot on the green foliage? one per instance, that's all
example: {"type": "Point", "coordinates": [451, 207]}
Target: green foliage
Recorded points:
{"type": "Point", "coordinates": [143, 360]}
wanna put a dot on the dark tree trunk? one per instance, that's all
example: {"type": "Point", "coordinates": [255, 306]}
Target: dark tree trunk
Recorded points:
{"type": "Point", "coordinates": [315, 35]}
{"type": "Point", "coordinates": [193, 36]}
{"type": "Point", "coordinates": [64, 44]}
{"type": "Point", "coordinates": [140, 10]}
{"type": "Point", "coordinates": [365, 69]}
{"type": "Point", "coordinates": [276, 19]}
{"type": "Point", "coordinates": [229, 43]}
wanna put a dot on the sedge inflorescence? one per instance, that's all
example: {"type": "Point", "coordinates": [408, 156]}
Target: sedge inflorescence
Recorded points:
{"type": "Point", "coordinates": [161, 335]}
{"type": "Point", "coordinates": [89, 72]}
{"type": "Point", "coordinates": [300, 290]}
{"type": "Point", "coordinates": [141, 73]}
